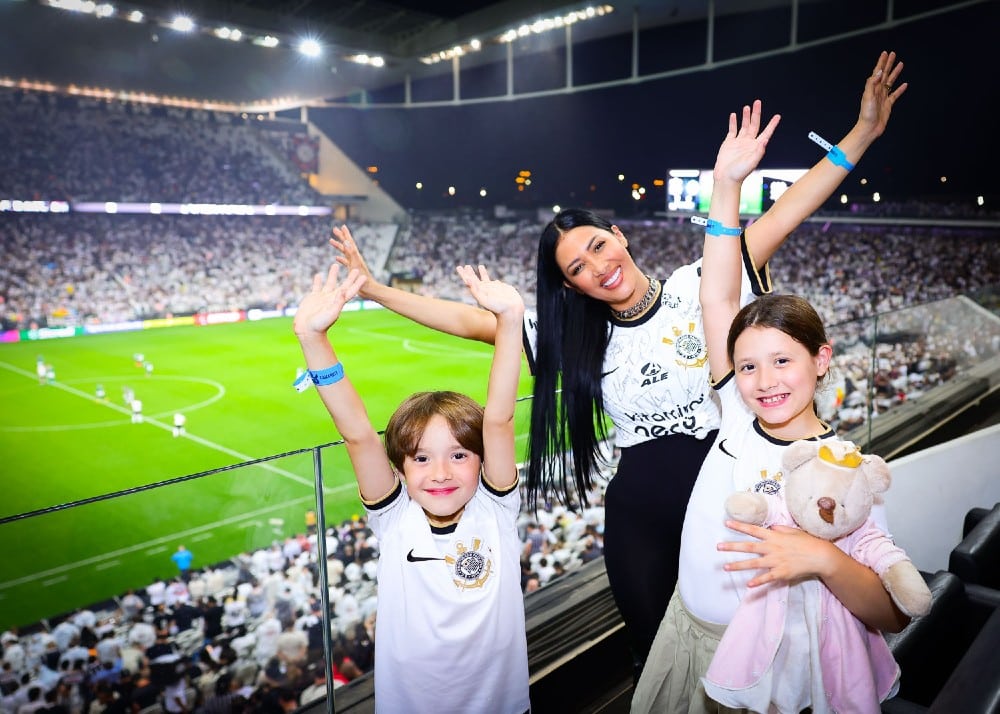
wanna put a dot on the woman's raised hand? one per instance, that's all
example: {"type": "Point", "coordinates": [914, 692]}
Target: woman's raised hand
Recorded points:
{"type": "Point", "coordinates": [495, 295]}
{"type": "Point", "coordinates": [881, 93]}
{"type": "Point", "coordinates": [350, 256]}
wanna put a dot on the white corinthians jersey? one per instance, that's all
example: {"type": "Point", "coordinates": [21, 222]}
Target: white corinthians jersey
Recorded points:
{"type": "Point", "coordinates": [450, 632]}
{"type": "Point", "coordinates": [656, 367]}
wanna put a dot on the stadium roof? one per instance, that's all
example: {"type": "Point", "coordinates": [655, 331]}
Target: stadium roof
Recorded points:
{"type": "Point", "coordinates": [44, 43]}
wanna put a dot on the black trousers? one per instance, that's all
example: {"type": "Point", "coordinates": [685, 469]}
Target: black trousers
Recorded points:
{"type": "Point", "coordinates": [644, 513]}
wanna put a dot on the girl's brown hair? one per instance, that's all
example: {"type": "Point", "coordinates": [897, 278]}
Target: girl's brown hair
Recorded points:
{"type": "Point", "coordinates": [791, 314]}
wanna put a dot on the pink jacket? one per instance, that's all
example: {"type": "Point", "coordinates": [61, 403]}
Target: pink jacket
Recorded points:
{"type": "Point", "coordinates": [855, 667]}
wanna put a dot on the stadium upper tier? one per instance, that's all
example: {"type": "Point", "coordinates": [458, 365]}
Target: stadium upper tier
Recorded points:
{"type": "Point", "coordinates": [78, 149]}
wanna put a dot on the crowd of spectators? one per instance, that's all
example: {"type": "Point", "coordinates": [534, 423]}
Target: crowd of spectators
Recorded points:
{"type": "Point", "coordinates": [245, 635]}
{"type": "Point", "coordinates": [241, 636]}
{"type": "Point", "coordinates": [79, 268]}
{"type": "Point", "coordinates": [76, 268]}
{"type": "Point", "coordinates": [916, 208]}
{"type": "Point", "coordinates": [80, 149]}
{"type": "Point", "coordinates": [110, 268]}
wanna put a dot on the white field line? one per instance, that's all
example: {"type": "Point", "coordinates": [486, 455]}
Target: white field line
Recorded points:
{"type": "Point", "coordinates": [431, 349]}
{"type": "Point", "coordinates": [166, 427]}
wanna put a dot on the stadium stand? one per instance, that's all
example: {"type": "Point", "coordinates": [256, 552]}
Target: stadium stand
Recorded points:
{"type": "Point", "coordinates": [80, 149]}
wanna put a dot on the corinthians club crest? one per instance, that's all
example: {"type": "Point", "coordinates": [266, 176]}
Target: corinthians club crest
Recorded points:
{"type": "Point", "coordinates": [768, 484]}
{"type": "Point", "coordinates": [689, 347]}
{"type": "Point", "coordinates": [470, 568]}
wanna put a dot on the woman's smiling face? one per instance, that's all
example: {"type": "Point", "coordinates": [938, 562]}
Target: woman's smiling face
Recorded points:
{"type": "Point", "coordinates": [595, 262]}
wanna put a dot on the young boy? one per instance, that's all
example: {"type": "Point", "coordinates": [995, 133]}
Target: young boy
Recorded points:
{"type": "Point", "coordinates": [442, 499]}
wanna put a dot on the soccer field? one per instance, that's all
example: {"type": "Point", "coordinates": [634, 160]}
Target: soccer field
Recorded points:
{"type": "Point", "coordinates": [61, 443]}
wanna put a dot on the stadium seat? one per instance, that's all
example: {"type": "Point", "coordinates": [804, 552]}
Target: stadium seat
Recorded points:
{"type": "Point", "coordinates": [930, 649]}
{"type": "Point", "coordinates": [977, 558]}
{"type": "Point", "coordinates": [972, 519]}
{"type": "Point", "coordinates": [974, 686]}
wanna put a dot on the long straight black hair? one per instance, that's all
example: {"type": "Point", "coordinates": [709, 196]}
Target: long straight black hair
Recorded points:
{"type": "Point", "coordinates": [572, 336]}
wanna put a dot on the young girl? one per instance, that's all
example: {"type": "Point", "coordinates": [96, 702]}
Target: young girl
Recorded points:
{"type": "Point", "coordinates": [442, 498]}
{"type": "Point", "coordinates": [766, 361]}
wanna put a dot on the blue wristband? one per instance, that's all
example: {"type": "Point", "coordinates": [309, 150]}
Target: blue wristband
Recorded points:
{"type": "Point", "coordinates": [836, 155]}
{"type": "Point", "coordinates": [330, 375]}
{"type": "Point", "coordinates": [714, 228]}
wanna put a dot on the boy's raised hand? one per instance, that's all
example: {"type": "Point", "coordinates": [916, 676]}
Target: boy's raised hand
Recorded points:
{"type": "Point", "coordinates": [322, 305]}
{"type": "Point", "coordinates": [744, 145]}
{"type": "Point", "coordinates": [496, 296]}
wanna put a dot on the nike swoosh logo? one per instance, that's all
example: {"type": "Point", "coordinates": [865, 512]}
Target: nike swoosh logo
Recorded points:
{"type": "Point", "coordinates": [410, 557]}
{"type": "Point", "coordinates": [722, 448]}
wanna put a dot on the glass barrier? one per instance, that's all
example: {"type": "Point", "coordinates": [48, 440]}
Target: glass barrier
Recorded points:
{"type": "Point", "coordinates": [266, 579]}
{"type": "Point", "coordinates": [904, 357]}
{"type": "Point", "coordinates": [224, 565]}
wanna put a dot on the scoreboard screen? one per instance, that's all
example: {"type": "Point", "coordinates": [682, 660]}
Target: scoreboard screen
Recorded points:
{"type": "Point", "coordinates": [691, 189]}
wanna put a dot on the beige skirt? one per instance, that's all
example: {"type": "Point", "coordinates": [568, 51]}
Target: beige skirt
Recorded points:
{"type": "Point", "coordinates": [671, 678]}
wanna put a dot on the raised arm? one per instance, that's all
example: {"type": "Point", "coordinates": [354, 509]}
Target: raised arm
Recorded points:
{"type": "Point", "coordinates": [807, 194]}
{"type": "Point", "coordinates": [316, 313]}
{"type": "Point", "coordinates": [721, 267]}
{"type": "Point", "coordinates": [448, 316]}
{"type": "Point", "coordinates": [503, 301]}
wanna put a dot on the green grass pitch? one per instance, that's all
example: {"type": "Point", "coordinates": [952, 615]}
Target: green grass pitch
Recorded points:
{"type": "Point", "coordinates": [60, 443]}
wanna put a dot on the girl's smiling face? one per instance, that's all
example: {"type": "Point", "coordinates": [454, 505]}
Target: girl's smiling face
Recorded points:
{"type": "Point", "coordinates": [777, 377]}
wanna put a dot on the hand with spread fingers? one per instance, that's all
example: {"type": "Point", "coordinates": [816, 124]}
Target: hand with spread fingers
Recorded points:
{"type": "Point", "coordinates": [881, 93]}
{"type": "Point", "coordinates": [350, 256]}
{"type": "Point", "coordinates": [744, 145]}
{"type": "Point", "coordinates": [322, 305]}
{"type": "Point", "coordinates": [496, 296]}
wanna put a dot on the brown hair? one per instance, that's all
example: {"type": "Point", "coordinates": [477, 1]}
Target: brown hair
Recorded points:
{"type": "Point", "coordinates": [791, 314]}
{"type": "Point", "coordinates": [407, 423]}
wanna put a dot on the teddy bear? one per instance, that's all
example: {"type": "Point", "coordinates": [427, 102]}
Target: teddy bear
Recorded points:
{"type": "Point", "coordinates": [792, 645]}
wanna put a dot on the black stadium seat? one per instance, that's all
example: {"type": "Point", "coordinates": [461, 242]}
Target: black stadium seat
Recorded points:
{"type": "Point", "coordinates": [977, 558]}
{"type": "Point", "coordinates": [950, 658]}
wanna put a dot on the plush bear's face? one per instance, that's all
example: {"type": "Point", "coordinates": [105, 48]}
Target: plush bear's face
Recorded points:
{"type": "Point", "coordinates": [827, 500]}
